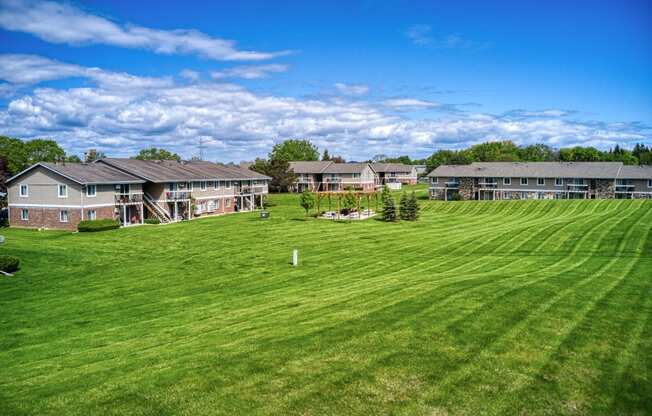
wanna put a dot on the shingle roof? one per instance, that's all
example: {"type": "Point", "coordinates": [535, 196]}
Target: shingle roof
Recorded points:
{"type": "Point", "coordinates": [86, 173]}
{"type": "Point", "coordinates": [391, 167]}
{"type": "Point", "coordinates": [345, 167]}
{"type": "Point", "coordinates": [596, 170]}
{"type": "Point", "coordinates": [306, 167]}
{"type": "Point", "coordinates": [173, 171]}
{"type": "Point", "coordinates": [635, 172]}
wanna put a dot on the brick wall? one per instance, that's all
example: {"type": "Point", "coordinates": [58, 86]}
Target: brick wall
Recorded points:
{"type": "Point", "coordinates": [45, 218]}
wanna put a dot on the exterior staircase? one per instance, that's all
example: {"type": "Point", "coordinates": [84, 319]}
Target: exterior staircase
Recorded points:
{"type": "Point", "coordinates": [155, 209]}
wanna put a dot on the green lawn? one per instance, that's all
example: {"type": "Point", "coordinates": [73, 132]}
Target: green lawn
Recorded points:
{"type": "Point", "coordinates": [516, 308]}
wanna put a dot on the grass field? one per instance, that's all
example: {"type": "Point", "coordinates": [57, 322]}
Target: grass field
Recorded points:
{"type": "Point", "coordinates": [519, 308]}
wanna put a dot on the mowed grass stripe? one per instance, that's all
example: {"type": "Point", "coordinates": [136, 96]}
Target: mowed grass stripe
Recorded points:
{"type": "Point", "coordinates": [357, 331]}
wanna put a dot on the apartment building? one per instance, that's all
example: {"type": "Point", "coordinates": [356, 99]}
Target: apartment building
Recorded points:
{"type": "Point", "coordinates": [329, 176]}
{"type": "Point", "coordinates": [59, 196]}
{"type": "Point", "coordinates": [540, 180]}
{"type": "Point", "coordinates": [49, 195]}
{"type": "Point", "coordinates": [389, 173]}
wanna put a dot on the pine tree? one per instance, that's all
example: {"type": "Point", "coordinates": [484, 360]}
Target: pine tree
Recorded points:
{"type": "Point", "coordinates": [389, 209]}
{"type": "Point", "coordinates": [404, 207]}
{"type": "Point", "coordinates": [414, 209]}
{"type": "Point", "coordinates": [385, 194]}
{"type": "Point", "coordinates": [326, 155]}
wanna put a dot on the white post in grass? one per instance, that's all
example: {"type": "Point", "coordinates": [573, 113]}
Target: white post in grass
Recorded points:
{"type": "Point", "coordinates": [295, 257]}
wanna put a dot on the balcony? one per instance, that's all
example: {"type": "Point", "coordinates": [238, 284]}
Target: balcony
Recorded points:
{"type": "Point", "coordinates": [577, 187]}
{"type": "Point", "coordinates": [248, 190]}
{"type": "Point", "coordinates": [452, 184]}
{"type": "Point", "coordinates": [177, 195]}
{"type": "Point", "coordinates": [130, 198]}
{"type": "Point", "coordinates": [333, 180]}
{"type": "Point", "coordinates": [488, 184]}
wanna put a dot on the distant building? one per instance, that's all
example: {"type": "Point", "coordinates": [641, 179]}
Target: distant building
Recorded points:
{"type": "Point", "coordinates": [540, 180]}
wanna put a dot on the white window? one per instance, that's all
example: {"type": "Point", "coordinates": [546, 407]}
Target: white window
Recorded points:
{"type": "Point", "coordinates": [435, 180]}
{"type": "Point", "coordinates": [507, 181]}
{"type": "Point", "coordinates": [523, 181]}
{"type": "Point", "coordinates": [63, 190]}
{"type": "Point", "coordinates": [357, 175]}
{"type": "Point", "coordinates": [202, 185]}
{"type": "Point", "coordinates": [217, 204]}
{"type": "Point", "coordinates": [227, 184]}
{"type": "Point", "coordinates": [173, 186]}
{"type": "Point", "coordinates": [24, 214]}
{"type": "Point", "coordinates": [227, 203]}
{"type": "Point", "coordinates": [91, 214]}
{"type": "Point", "coordinates": [216, 185]}
{"type": "Point", "coordinates": [91, 191]}
{"type": "Point", "coordinates": [63, 216]}
{"type": "Point", "coordinates": [541, 182]}
{"type": "Point", "coordinates": [191, 186]}
{"type": "Point", "coordinates": [559, 182]}
{"type": "Point", "coordinates": [24, 191]}
{"type": "Point", "coordinates": [649, 183]}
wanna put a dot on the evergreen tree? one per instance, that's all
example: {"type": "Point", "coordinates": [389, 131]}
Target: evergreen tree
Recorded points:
{"type": "Point", "coordinates": [307, 201]}
{"type": "Point", "coordinates": [413, 207]}
{"type": "Point", "coordinates": [389, 210]}
{"type": "Point", "coordinates": [325, 155]}
{"type": "Point", "coordinates": [385, 194]}
{"type": "Point", "coordinates": [404, 207]}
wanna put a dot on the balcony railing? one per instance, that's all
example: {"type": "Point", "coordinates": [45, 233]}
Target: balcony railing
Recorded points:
{"type": "Point", "coordinates": [333, 180]}
{"type": "Point", "coordinates": [177, 195]}
{"type": "Point", "coordinates": [248, 190]}
{"type": "Point", "coordinates": [130, 198]}
{"type": "Point", "coordinates": [452, 184]}
{"type": "Point", "coordinates": [488, 184]}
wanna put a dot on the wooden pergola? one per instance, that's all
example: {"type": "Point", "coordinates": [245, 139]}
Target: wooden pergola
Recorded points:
{"type": "Point", "coordinates": [338, 195]}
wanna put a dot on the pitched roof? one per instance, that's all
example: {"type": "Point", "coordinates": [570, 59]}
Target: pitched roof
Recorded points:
{"type": "Point", "coordinates": [392, 167]}
{"type": "Point", "coordinates": [85, 173]}
{"type": "Point", "coordinates": [635, 172]}
{"type": "Point", "coordinates": [346, 167]}
{"type": "Point", "coordinates": [308, 167]}
{"type": "Point", "coordinates": [178, 171]}
{"type": "Point", "coordinates": [596, 170]}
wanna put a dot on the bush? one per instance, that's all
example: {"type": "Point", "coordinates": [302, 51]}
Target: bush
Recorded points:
{"type": "Point", "coordinates": [97, 225]}
{"type": "Point", "coordinates": [9, 264]}
{"type": "Point", "coordinates": [152, 221]}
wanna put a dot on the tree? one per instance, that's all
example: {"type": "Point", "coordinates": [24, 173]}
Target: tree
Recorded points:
{"type": "Point", "coordinates": [292, 149]}
{"type": "Point", "coordinates": [14, 153]}
{"type": "Point", "coordinates": [504, 151]}
{"type": "Point", "coordinates": [325, 156]}
{"type": "Point", "coordinates": [404, 208]}
{"type": "Point", "coordinates": [260, 165]}
{"type": "Point", "coordinates": [282, 176]}
{"type": "Point", "coordinates": [414, 209]}
{"type": "Point", "coordinates": [389, 210]}
{"type": "Point", "coordinates": [307, 201]}
{"type": "Point", "coordinates": [385, 194]}
{"type": "Point", "coordinates": [338, 159]}
{"type": "Point", "coordinates": [73, 159]}
{"type": "Point", "coordinates": [154, 153]}
{"type": "Point", "coordinates": [536, 153]}
{"type": "Point", "coordinates": [43, 150]}
{"type": "Point", "coordinates": [349, 201]}
{"type": "Point", "coordinates": [92, 155]}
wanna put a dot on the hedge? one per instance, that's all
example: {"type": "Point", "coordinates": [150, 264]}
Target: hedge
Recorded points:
{"type": "Point", "coordinates": [9, 264]}
{"type": "Point", "coordinates": [97, 225]}
{"type": "Point", "coordinates": [152, 221]}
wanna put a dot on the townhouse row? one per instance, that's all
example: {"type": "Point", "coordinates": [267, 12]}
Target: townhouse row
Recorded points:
{"type": "Point", "coordinates": [329, 176]}
{"type": "Point", "coordinates": [59, 196]}
{"type": "Point", "coordinates": [540, 180]}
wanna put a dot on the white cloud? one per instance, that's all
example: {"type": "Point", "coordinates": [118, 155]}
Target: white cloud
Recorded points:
{"type": "Point", "coordinates": [120, 115]}
{"type": "Point", "coordinates": [63, 23]}
{"type": "Point", "coordinates": [250, 71]}
{"type": "Point", "coordinates": [190, 75]}
{"type": "Point", "coordinates": [409, 104]}
{"type": "Point", "coordinates": [422, 36]}
{"type": "Point", "coordinates": [352, 89]}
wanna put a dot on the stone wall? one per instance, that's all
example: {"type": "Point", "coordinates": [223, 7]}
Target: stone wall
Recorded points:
{"type": "Point", "coordinates": [466, 188]}
{"type": "Point", "coordinates": [604, 189]}
{"type": "Point", "coordinates": [438, 194]}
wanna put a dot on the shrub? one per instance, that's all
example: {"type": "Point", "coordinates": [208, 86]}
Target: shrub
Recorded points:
{"type": "Point", "coordinates": [413, 207]}
{"type": "Point", "coordinates": [9, 264]}
{"type": "Point", "coordinates": [152, 221]}
{"type": "Point", "coordinates": [97, 225]}
{"type": "Point", "coordinates": [404, 207]}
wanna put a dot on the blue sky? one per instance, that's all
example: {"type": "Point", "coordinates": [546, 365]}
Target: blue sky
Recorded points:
{"type": "Point", "coordinates": [359, 78]}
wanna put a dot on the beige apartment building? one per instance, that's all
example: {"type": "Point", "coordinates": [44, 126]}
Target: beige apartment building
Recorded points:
{"type": "Point", "coordinates": [49, 195]}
